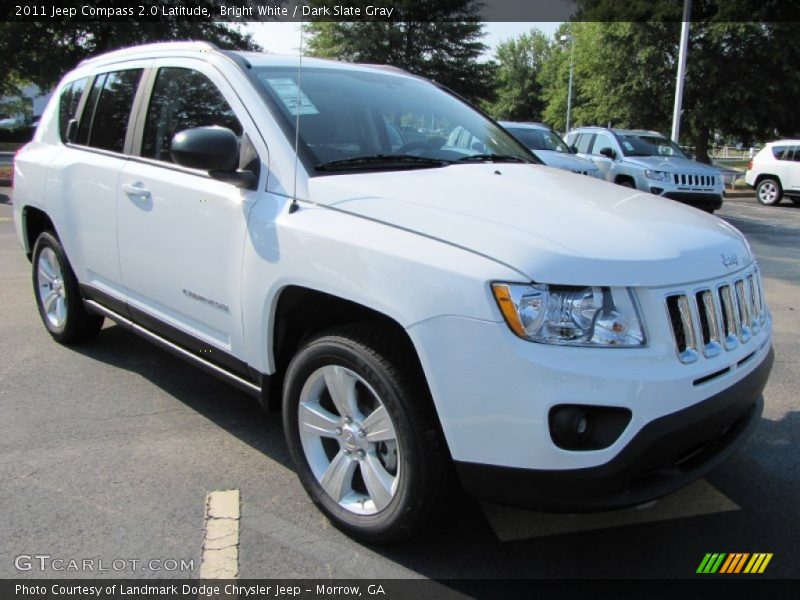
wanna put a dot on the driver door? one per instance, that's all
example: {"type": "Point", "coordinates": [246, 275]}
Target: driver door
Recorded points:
{"type": "Point", "coordinates": [603, 141]}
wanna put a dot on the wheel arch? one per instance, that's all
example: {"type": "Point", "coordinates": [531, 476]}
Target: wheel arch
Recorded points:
{"type": "Point", "coordinates": [34, 222]}
{"type": "Point", "coordinates": [299, 312]}
{"type": "Point", "coordinates": [762, 176]}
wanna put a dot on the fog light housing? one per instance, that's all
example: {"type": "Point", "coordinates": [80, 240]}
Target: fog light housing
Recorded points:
{"type": "Point", "coordinates": [582, 427]}
{"type": "Point", "coordinates": [656, 190]}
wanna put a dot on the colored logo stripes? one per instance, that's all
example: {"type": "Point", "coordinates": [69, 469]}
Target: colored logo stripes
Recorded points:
{"type": "Point", "coordinates": [734, 562]}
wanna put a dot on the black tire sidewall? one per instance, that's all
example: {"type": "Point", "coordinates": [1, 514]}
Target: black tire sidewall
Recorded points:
{"type": "Point", "coordinates": [391, 521]}
{"type": "Point", "coordinates": [75, 312]}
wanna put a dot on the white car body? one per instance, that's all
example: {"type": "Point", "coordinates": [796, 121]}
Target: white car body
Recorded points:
{"type": "Point", "coordinates": [780, 162]}
{"type": "Point", "coordinates": [212, 261]}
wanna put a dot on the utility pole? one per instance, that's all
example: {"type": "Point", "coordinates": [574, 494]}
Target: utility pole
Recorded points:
{"type": "Point", "coordinates": [571, 39]}
{"type": "Point", "coordinates": [676, 113]}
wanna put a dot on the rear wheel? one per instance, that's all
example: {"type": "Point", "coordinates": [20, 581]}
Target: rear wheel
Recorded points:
{"type": "Point", "coordinates": [769, 191]}
{"type": "Point", "coordinates": [363, 434]}
{"type": "Point", "coordinates": [57, 293]}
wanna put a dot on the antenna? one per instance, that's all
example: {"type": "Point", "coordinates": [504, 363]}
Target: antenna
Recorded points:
{"type": "Point", "coordinates": [294, 206]}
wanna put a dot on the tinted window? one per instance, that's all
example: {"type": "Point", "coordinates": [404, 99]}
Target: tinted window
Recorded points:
{"type": "Point", "coordinates": [108, 109]}
{"type": "Point", "coordinates": [68, 105]}
{"type": "Point", "coordinates": [539, 139]}
{"type": "Point", "coordinates": [343, 114]}
{"type": "Point", "coordinates": [649, 145]}
{"type": "Point", "coordinates": [796, 150]}
{"type": "Point", "coordinates": [601, 141]}
{"type": "Point", "coordinates": [583, 143]}
{"type": "Point", "coordinates": [782, 152]}
{"type": "Point", "coordinates": [182, 99]}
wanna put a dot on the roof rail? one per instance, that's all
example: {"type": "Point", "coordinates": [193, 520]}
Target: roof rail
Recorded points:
{"type": "Point", "coordinates": [155, 47]}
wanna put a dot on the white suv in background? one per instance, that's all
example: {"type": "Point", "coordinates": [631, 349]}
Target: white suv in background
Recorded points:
{"type": "Point", "coordinates": [417, 311]}
{"type": "Point", "coordinates": [775, 172]}
{"type": "Point", "coordinates": [649, 162]}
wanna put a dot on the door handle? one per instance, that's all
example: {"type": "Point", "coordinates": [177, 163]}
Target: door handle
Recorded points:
{"type": "Point", "coordinates": [137, 191]}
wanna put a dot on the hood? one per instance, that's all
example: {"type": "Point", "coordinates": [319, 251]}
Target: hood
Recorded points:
{"type": "Point", "coordinates": [549, 225]}
{"type": "Point", "coordinates": [562, 160]}
{"type": "Point", "coordinates": [673, 164]}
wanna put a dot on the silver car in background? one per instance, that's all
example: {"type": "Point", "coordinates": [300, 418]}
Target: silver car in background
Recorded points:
{"type": "Point", "coordinates": [549, 147]}
{"type": "Point", "coordinates": [650, 162]}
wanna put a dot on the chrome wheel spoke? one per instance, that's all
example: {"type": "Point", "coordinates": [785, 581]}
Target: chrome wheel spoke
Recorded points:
{"type": "Point", "coordinates": [379, 426]}
{"type": "Point", "coordinates": [315, 419]}
{"type": "Point", "coordinates": [338, 477]}
{"type": "Point", "coordinates": [342, 388]}
{"type": "Point", "coordinates": [379, 483]}
{"type": "Point", "coordinates": [60, 311]}
{"type": "Point", "coordinates": [48, 301]}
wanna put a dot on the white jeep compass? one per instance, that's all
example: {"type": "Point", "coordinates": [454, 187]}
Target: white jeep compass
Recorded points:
{"type": "Point", "coordinates": [422, 314]}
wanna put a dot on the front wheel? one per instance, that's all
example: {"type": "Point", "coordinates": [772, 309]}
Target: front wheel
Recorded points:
{"type": "Point", "coordinates": [362, 432]}
{"type": "Point", "coordinates": [57, 294]}
{"type": "Point", "coordinates": [769, 192]}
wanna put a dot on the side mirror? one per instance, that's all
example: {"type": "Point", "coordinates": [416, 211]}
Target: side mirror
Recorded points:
{"type": "Point", "coordinates": [573, 149]}
{"type": "Point", "coordinates": [608, 153]}
{"type": "Point", "coordinates": [72, 131]}
{"type": "Point", "coordinates": [213, 149]}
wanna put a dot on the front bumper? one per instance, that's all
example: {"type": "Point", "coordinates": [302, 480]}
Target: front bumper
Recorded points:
{"type": "Point", "coordinates": [665, 455]}
{"type": "Point", "coordinates": [702, 200]}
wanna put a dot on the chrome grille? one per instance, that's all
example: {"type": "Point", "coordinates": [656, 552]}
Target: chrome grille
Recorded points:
{"type": "Point", "coordinates": [693, 180]}
{"type": "Point", "coordinates": [717, 318]}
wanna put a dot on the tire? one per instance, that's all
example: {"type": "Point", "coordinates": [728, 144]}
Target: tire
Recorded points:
{"type": "Point", "coordinates": [58, 297]}
{"type": "Point", "coordinates": [625, 182]}
{"type": "Point", "coordinates": [382, 476]}
{"type": "Point", "coordinates": [769, 191]}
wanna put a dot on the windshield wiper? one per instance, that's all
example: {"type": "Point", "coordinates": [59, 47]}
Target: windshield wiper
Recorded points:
{"type": "Point", "coordinates": [381, 161]}
{"type": "Point", "coordinates": [493, 158]}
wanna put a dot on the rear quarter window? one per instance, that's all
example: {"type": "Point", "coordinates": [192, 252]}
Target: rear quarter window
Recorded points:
{"type": "Point", "coordinates": [68, 104]}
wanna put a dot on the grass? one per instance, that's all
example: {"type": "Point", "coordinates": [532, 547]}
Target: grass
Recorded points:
{"type": "Point", "coordinates": [5, 172]}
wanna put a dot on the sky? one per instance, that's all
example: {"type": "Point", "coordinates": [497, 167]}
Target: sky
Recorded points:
{"type": "Point", "coordinates": [284, 38]}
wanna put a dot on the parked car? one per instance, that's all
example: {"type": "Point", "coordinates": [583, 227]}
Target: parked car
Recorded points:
{"type": "Point", "coordinates": [416, 312]}
{"type": "Point", "coordinates": [775, 172]}
{"type": "Point", "coordinates": [549, 147]}
{"type": "Point", "coordinates": [650, 162]}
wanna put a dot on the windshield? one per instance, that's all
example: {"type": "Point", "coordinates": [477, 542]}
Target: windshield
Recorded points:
{"type": "Point", "coordinates": [539, 139]}
{"type": "Point", "coordinates": [649, 145]}
{"type": "Point", "coordinates": [346, 116]}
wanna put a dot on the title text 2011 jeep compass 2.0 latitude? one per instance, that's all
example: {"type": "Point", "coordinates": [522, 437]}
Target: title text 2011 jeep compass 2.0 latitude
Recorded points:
{"type": "Point", "coordinates": [418, 311]}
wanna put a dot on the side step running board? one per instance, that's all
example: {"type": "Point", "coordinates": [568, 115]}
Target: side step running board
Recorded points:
{"type": "Point", "coordinates": [242, 384]}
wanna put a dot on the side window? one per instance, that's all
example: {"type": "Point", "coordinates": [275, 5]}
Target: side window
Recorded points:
{"type": "Point", "coordinates": [104, 123]}
{"type": "Point", "coordinates": [601, 141]}
{"type": "Point", "coordinates": [779, 152]}
{"type": "Point", "coordinates": [68, 105]}
{"type": "Point", "coordinates": [584, 142]}
{"type": "Point", "coordinates": [182, 99]}
{"type": "Point", "coordinates": [796, 153]}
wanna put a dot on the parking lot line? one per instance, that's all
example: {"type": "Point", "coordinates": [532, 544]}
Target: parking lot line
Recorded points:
{"type": "Point", "coordinates": [700, 498]}
{"type": "Point", "coordinates": [220, 558]}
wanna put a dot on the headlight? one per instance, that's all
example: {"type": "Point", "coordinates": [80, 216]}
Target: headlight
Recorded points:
{"type": "Point", "coordinates": [571, 315]}
{"type": "Point", "coordinates": [657, 175]}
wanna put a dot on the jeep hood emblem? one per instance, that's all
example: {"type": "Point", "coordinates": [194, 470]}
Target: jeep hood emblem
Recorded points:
{"type": "Point", "coordinates": [729, 259]}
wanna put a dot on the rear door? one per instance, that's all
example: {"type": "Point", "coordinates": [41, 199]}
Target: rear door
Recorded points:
{"type": "Point", "coordinates": [84, 175]}
{"type": "Point", "coordinates": [182, 233]}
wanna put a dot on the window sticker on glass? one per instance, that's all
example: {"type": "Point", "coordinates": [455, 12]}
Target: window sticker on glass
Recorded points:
{"type": "Point", "coordinates": [289, 93]}
{"type": "Point", "coordinates": [628, 146]}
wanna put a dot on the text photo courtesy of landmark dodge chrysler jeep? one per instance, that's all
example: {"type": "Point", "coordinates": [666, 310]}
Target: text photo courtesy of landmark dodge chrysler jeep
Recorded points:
{"type": "Point", "coordinates": [647, 161]}
{"type": "Point", "coordinates": [423, 316]}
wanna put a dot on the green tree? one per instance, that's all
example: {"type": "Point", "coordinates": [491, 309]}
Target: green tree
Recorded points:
{"type": "Point", "coordinates": [740, 82]}
{"type": "Point", "coordinates": [41, 52]}
{"type": "Point", "coordinates": [433, 39]}
{"type": "Point", "coordinates": [517, 85]}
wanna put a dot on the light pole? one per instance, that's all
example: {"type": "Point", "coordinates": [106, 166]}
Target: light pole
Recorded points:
{"type": "Point", "coordinates": [569, 38]}
{"type": "Point", "coordinates": [676, 113]}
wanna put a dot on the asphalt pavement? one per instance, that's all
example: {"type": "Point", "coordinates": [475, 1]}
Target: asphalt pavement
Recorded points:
{"type": "Point", "coordinates": [108, 450]}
